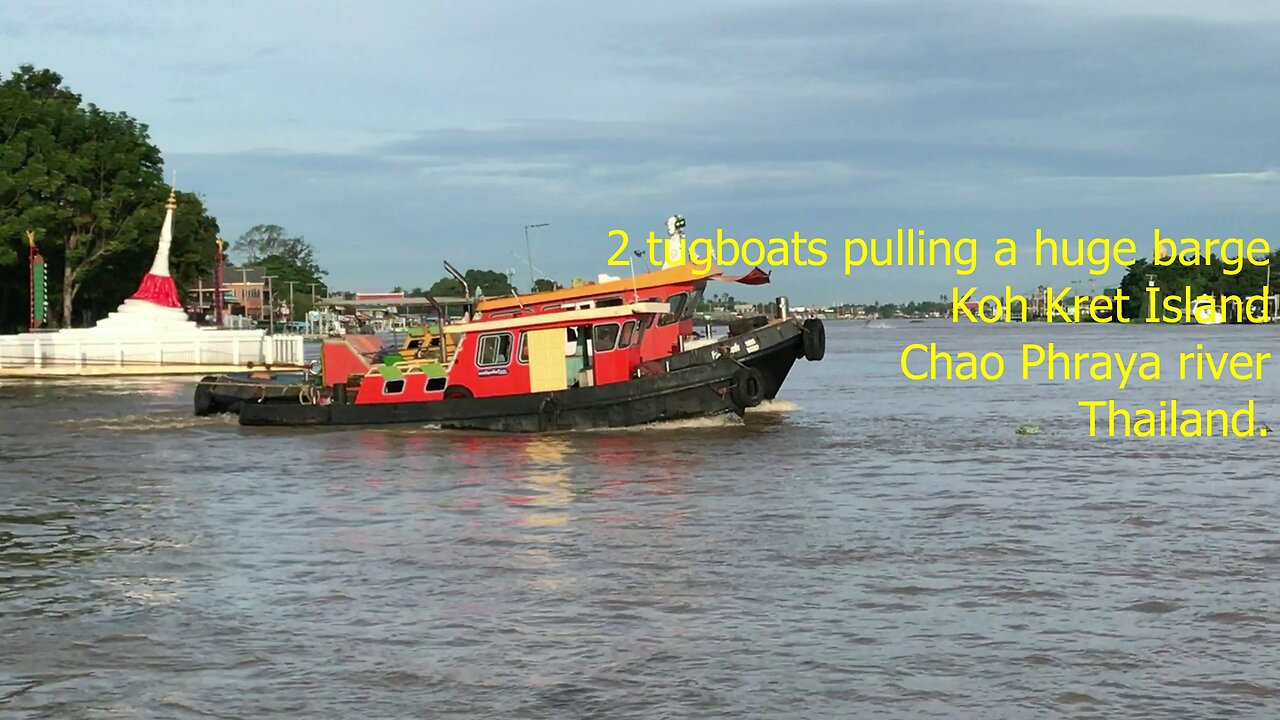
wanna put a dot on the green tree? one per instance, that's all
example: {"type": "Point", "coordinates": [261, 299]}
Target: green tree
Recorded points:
{"type": "Point", "coordinates": [285, 270]}
{"type": "Point", "coordinates": [90, 183]}
{"type": "Point", "coordinates": [445, 287]}
{"type": "Point", "coordinates": [545, 285]}
{"type": "Point", "coordinates": [287, 259]}
{"type": "Point", "coordinates": [263, 241]}
{"type": "Point", "coordinates": [489, 282]}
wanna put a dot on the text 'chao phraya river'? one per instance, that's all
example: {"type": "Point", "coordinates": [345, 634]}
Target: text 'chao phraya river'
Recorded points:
{"type": "Point", "coordinates": [1167, 418]}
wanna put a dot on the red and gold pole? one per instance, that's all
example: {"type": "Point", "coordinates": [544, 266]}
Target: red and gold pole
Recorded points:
{"type": "Point", "coordinates": [217, 285]}
{"type": "Point", "coordinates": [38, 285]}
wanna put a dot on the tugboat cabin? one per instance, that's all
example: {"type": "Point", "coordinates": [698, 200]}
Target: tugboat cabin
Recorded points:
{"type": "Point", "coordinates": [679, 289]}
{"type": "Point", "coordinates": [506, 356]}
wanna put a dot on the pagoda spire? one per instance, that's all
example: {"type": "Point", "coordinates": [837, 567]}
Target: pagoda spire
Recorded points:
{"type": "Point", "coordinates": [157, 286]}
{"type": "Point", "coordinates": [160, 266]}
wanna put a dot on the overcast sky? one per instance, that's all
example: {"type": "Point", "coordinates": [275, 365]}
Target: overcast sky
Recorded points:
{"type": "Point", "coordinates": [394, 135]}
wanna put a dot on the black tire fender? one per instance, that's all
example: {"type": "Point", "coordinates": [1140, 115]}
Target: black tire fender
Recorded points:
{"type": "Point", "coordinates": [204, 397]}
{"type": "Point", "coordinates": [815, 340]}
{"type": "Point", "coordinates": [458, 392]}
{"type": "Point", "coordinates": [748, 388]}
{"type": "Point", "coordinates": [549, 413]}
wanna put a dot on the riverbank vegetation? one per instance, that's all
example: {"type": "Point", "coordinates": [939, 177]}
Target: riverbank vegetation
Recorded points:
{"type": "Point", "coordinates": [91, 185]}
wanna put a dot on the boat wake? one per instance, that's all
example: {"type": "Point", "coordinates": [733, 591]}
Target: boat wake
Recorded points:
{"type": "Point", "coordinates": [716, 421]}
{"type": "Point", "coordinates": [145, 423]}
{"type": "Point", "coordinates": [773, 407]}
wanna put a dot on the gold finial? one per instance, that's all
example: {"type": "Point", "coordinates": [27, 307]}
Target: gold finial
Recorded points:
{"type": "Point", "coordinates": [31, 238]}
{"type": "Point", "coordinates": [221, 244]}
{"type": "Point", "coordinates": [172, 204]}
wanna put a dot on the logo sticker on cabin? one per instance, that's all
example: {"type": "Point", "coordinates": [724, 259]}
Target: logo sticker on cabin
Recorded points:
{"type": "Point", "coordinates": [486, 372]}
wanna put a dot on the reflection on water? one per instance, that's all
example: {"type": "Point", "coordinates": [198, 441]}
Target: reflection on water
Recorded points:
{"type": "Point", "coordinates": [547, 482]}
{"type": "Point", "coordinates": [861, 547]}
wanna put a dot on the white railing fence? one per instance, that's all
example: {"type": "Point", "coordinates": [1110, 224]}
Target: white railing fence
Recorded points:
{"type": "Point", "coordinates": [215, 348]}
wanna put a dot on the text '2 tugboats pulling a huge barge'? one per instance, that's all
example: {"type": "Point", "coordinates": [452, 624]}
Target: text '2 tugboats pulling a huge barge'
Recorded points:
{"type": "Point", "coordinates": [610, 354]}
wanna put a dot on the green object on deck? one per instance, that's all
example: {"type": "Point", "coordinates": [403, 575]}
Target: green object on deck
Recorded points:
{"type": "Point", "coordinates": [391, 372]}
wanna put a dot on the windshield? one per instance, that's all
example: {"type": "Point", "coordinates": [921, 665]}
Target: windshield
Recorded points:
{"type": "Point", "coordinates": [691, 306]}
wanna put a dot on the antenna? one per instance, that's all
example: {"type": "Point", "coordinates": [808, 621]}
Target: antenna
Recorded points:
{"type": "Point", "coordinates": [516, 255]}
{"type": "Point", "coordinates": [635, 293]}
{"type": "Point", "coordinates": [529, 249]}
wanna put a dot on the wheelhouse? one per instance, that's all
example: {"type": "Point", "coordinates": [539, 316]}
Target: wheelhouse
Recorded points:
{"type": "Point", "coordinates": [679, 289]}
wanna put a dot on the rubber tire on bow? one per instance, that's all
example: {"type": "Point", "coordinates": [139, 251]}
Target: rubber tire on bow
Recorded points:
{"type": "Point", "coordinates": [204, 398]}
{"type": "Point", "coordinates": [748, 388]}
{"type": "Point", "coordinates": [815, 340]}
{"type": "Point", "coordinates": [458, 392]}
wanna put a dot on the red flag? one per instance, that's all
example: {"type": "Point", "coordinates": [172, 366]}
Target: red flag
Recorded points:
{"type": "Point", "coordinates": [755, 277]}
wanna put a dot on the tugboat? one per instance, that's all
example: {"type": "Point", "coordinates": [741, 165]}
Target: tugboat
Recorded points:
{"type": "Point", "coordinates": [608, 354]}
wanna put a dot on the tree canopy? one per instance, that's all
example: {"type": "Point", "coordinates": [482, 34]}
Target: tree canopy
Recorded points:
{"type": "Point", "coordinates": [490, 283]}
{"type": "Point", "coordinates": [261, 242]}
{"type": "Point", "coordinates": [90, 184]}
{"type": "Point", "coordinates": [1177, 278]}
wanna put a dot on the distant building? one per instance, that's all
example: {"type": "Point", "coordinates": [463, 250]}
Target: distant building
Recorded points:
{"type": "Point", "coordinates": [244, 292]}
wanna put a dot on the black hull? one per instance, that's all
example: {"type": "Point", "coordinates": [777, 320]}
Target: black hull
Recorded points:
{"type": "Point", "coordinates": [699, 391]}
{"type": "Point", "coordinates": [217, 394]}
{"type": "Point", "coordinates": [771, 349]}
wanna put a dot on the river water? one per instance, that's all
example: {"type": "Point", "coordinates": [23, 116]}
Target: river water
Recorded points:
{"type": "Point", "coordinates": [865, 547]}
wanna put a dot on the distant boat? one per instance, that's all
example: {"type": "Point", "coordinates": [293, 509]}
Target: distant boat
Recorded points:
{"type": "Point", "coordinates": [1205, 312]}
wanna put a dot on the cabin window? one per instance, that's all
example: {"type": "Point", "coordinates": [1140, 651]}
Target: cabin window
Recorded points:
{"type": "Point", "coordinates": [675, 304]}
{"type": "Point", "coordinates": [606, 337]}
{"type": "Point", "coordinates": [436, 384]}
{"type": "Point", "coordinates": [691, 307]}
{"type": "Point", "coordinates": [493, 349]}
{"type": "Point", "coordinates": [413, 344]}
{"type": "Point", "coordinates": [648, 319]}
{"type": "Point", "coordinates": [609, 302]}
{"type": "Point", "coordinates": [393, 387]}
{"type": "Point", "coordinates": [625, 337]}
{"type": "Point", "coordinates": [523, 355]}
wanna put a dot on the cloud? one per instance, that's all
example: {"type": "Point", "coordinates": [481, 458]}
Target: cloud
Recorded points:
{"type": "Point", "coordinates": [427, 131]}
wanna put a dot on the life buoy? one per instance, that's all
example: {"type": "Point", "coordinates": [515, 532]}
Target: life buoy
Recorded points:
{"type": "Point", "coordinates": [748, 388]}
{"type": "Point", "coordinates": [814, 343]}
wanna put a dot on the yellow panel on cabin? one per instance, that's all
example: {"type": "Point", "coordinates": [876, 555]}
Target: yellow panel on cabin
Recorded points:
{"type": "Point", "coordinates": [546, 360]}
